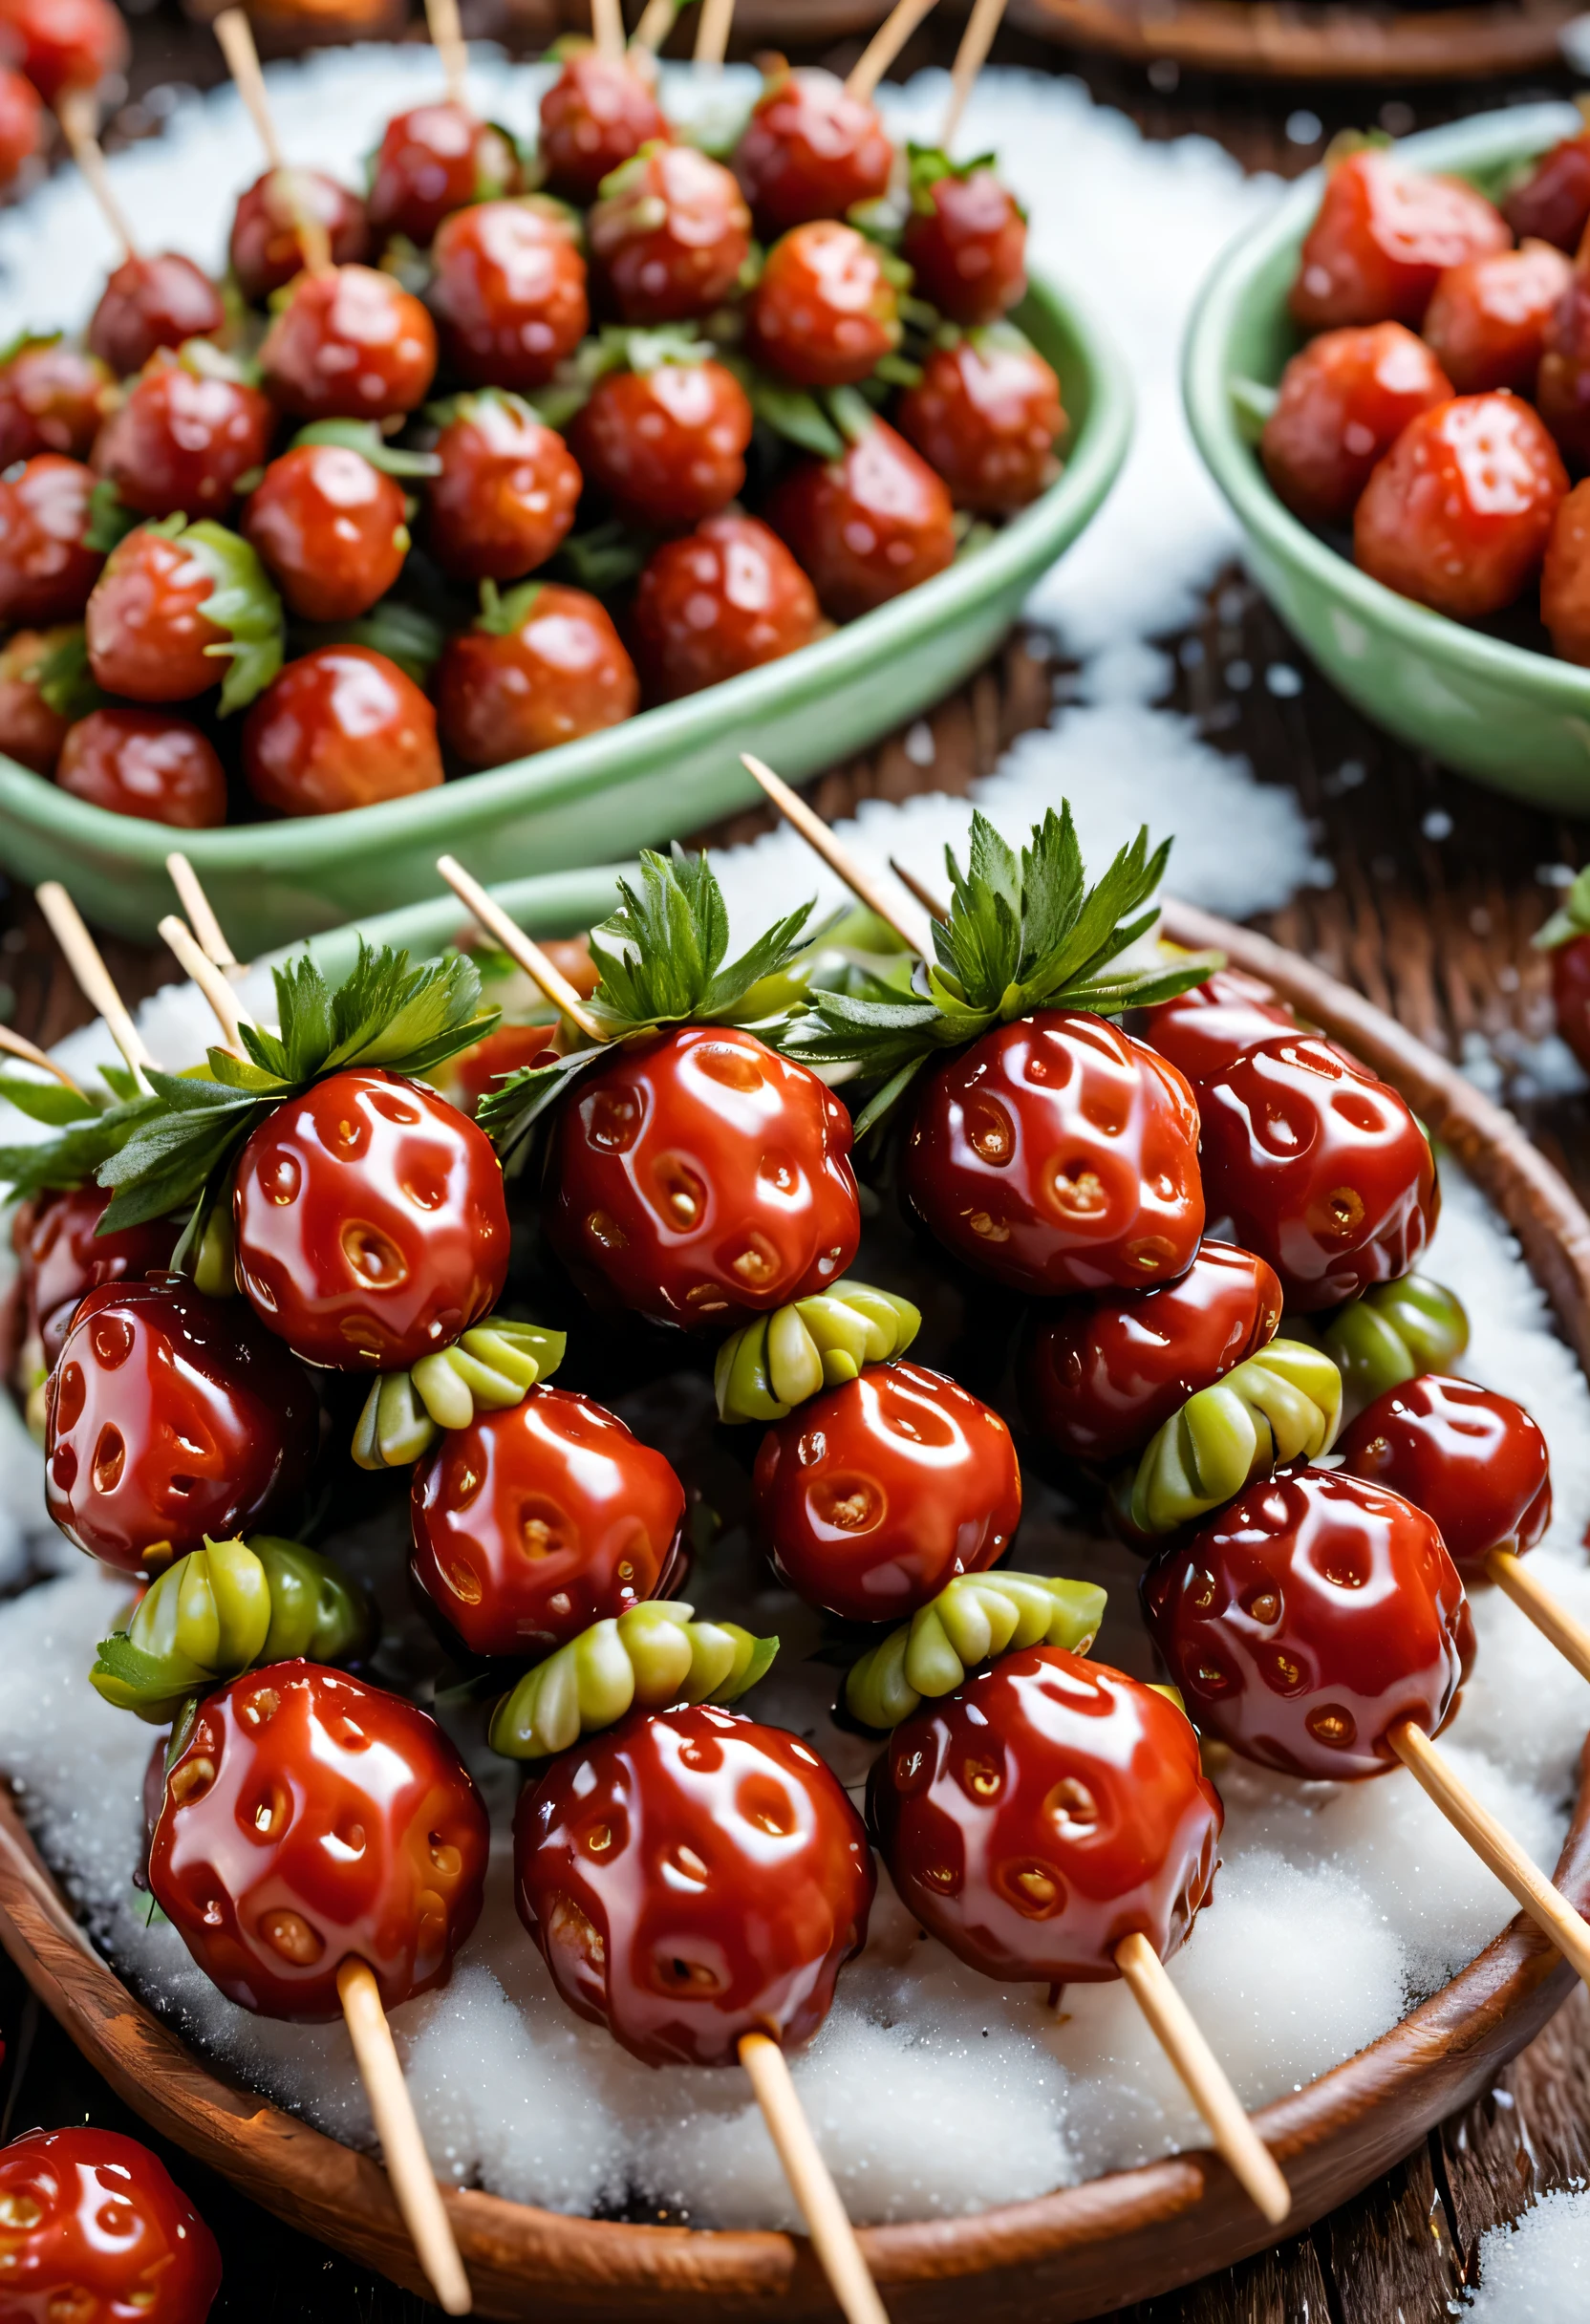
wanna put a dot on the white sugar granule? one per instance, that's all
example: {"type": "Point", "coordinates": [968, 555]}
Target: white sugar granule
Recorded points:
{"type": "Point", "coordinates": [1538, 2272]}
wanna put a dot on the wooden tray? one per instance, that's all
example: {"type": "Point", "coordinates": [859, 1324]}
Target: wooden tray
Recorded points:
{"type": "Point", "coordinates": [1068, 2255]}
{"type": "Point", "coordinates": [1289, 40]}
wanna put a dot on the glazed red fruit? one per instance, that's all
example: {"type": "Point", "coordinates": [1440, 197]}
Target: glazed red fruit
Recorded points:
{"type": "Point", "coordinates": [874, 1496]}
{"type": "Point", "coordinates": [94, 2229]}
{"type": "Point", "coordinates": [557, 671]}
{"type": "Point", "coordinates": [65, 45]}
{"type": "Point", "coordinates": [171, 1416]}
{"type": "Point", "coordinates": [1571, 994]}
{"type": "Point", "coordinates": [1342, 403]}
{"type": "Point", "coordinates": [1308, 1619]}
{"type": "Point", "coordinates": [732, 569]}
{"type": "Point", "coordinates": [868, 525]}
{"type": "Point", "coordinates": [52, 400]}
{"type": "Point", "coordinates": [149, 303]}
{"type": "Point", "coordinates": [1206, 1029]}
{"type": "Point", "coordinates": [509, 292]}
{"type": "Point", "coordinates": [64, 1256]}
{"type": "Point", "coordinates": [823, 311]}
{"type": "Point", "coordinates": [510, 1049]}
{"type": "Point", "coordinates": [810, 150]}
{"type": "Point", "coordinates": [669, 237]}
{"type": "Point", "coordinates": [534, 1524]}
{"type": "Point", "coordinates": [31, 732]}
{"type": "Point", "coordinates": [266, 247]}
{"type": "Point", "coordinates": [144, 762]}
{"type": "Point", "coordinates": [1562, 384]}
{"type": "Point", "coordinates": [1098, 1377]}
{"type": "Point", "coordinates": [1458, 514]}
{"type": "Point", "coordinates": [691, 1878]}
{"type": "Point", "coordinates": [350, 344]}
{"type": "Point", "coordinates": [667, 445]}
{"type": "Point", "coordinates": [180, 440]}
{"type": "Point", "coordinates": [1382, 236]}
{"type": "Point", "coordinates": [1059, 1154]}
{"type": "Point", "coordinates": [1488, 319]}
{"type": "Point", "coordinates": [340, 727]}
{"type": "Point", "coordinates": [1474, 1462]}
{"type": "Point", "coordinates": [431, 162]}
{"type": "Point", "coordinates": [1554, 200]}
{"type": "Point", "coordinates": [148, 635]}
{"type": "Point", "coordinates": [597, 113]}
{"type": "Point", "coordinates": [308, 1818]}
{"type": "Point", "coordinates": [47, 570]}
{"type": "Point", "coordinates": [370, 1222]}
{"type": "Point", "coordinates": [21, 124]}
{"type": "Point", "coordinates": [966, 242]}
{"type": "Point", "coordinates": [1565, 591]}
{"type": "Point", "coordinates": [1042, 1813]}
{"type": "Point", "coordinates": [1320, 1167]}
{"type": "Point", "coordinates": [330, 528]}
{"type": "Point", "coordinates": [506, 494]}
{"type": "Point", "coordinates": [702, 1179]}
{"type": "Point", "coordinates": [985, 417]}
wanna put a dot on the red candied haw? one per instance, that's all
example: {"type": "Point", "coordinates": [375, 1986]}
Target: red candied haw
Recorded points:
{"type": "Point", "coordinates": [370, 1222]}
{"type": "Point", "coordinates": [1059, 1154]}
{"type": "Point", "coordinates": [868, 525]}
{"type": "Point", "coordinates": [1565, 591]}
{"type": "Point", "coordinates": [310, 1820]}
{"type": "Point", "coordinates": [985, 415]}
{"type": "Point", "coordinates": [506, 492]}
{"type": "Point", "coordinates": [1488, 319]}
{"type": "Point", "coordinates": [1553, 203]}
{"type": "Point", "coordinates": [1320, 1167]}
{"type": "Point", "coordinates": [534, 1524]}
{"type": "Point", "coordinates": [509, 292]}
{"type": "Point", "coordinates": [692, 1878]}
{"type": "Point", "coordinates": [669, 236]}
{"type": "Point", "coordinates": [1382, 236]}
{"type": "Point", "coordinates": [876, 1495]}
{"type": "Point", "coordinates": [966, 242]}
{"type": "Point", "coordinates": [432, 161]}
{"type": "Point", "coordinates": [350, 344]}
{"type": "Point", "coordinates": [1042, 1813]}
{"type": "Point", "coordinates": [1571, 984]}
{"type": "Point", "coordinates": [269, 245]}
{"type": "Point", "coordinates": [810, 150]}
{"type": "Point", "coordinates": [330, 528]}
{"type": "Point", "coordinates": [1562, 384]}
{"type": "Point", "coordinates": [147, 763]}
{"type": "Point", "coordinates": [1308, 1619]}
{"type": "Point", "coordinates": [724, 600]}
{"type": "Point", "coordinates": [823, 311]}
{"type": "Point", "coordinates": [1204, 1030]}
{"type": "Point", "coordinates": [1474, 1462]}
{"type": "Point", "coordinates": [149, 303]}
{"type": "Point", "coordinates": [47, 570]}
{"type": "Point", "coordinates": [1342, 405]}
{"type": "Point", "coordinates": [21, 124]}
{"type": "Point", "coordinates": [340, 727]}
{"type": "Point", "coordinates": [93, 2227]}
{"type": "Point", "coordinates": [52, 400]}
{"type": "Point", "coordinates": [1099, 1376]}
{"type": "Point", "coordinates": [597, 113]}
{"type": "Point", "coordinates": [149, 636]}
{"type": "Point", "coordinates": [183, 437]}
{"type": "Point", "coordinates": [1458, 514]}
{"type": "Point", "coordinates": [703, 1180]}
{"type": "Point", "coordinates": [667, 445]}
{"type": "Point", "coordinates": [31, 731]}
{"type": "Point", "coordinates": [65, 45]}
{"type": "Point", "coordinates": [171, 1416]}
{"type": "Point", "coordinates": [541, 667]}
{"type": "Point", "coordinates": [64, 1255]}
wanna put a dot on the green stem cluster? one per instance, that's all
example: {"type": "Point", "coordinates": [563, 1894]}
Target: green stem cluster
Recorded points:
{"type": "Point", "coordinates": [973, 1618]}
{"type": "Point", "coordinates": [779, 1361]}
{"type": "Point", "coordinates": [654, 1655]}
{"type": "Point", "coordinates": [493, 1366]}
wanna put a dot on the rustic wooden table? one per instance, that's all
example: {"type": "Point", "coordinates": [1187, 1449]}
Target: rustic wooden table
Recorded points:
{"type": "Point", "coordinates": [1438, 888]}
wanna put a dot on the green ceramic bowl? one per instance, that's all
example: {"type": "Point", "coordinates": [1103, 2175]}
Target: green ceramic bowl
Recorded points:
{"type": "Point", "coordinates": [659, 775]}
{"type": "Point", "coordinates": [1517, 719]}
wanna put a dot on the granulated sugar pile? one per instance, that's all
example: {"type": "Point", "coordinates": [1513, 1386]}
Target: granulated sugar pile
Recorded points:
{"type": "Point", "coordinates": [1538, 2272]}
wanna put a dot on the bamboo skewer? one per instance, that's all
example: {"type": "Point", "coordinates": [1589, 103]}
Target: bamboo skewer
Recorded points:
{"type": "Point", "coordinates": [915, 937]}
{"type": "Point", "coordinates": [712, 34]}
{"type": "Point", "coordinates": [78, 121]}
{"type": "Point", "coordinates": [227, 1010]}
{"type": "Point", "coordinates": [657, 22]}
{"type": "Point", "coordinates": [832, 2236]}
{"type": "Point", "coordinates": [919, 889]}
{"type": "Point", "coordinates": [970, 58]}
{"type": "Point", "coordinates": [18, 1044]}
{"type": "Point", "coordinates": [1551, 1618]}
{"type": "Point", "coordinates": [408, 2165]}
{"type": "Point", "coordinates": [201, 914]}
{"type": "Point", "coordinates": [93, 978]}
{"type": "Point", "coordinates": [885, 45]}
{"type": "Point", "coordinates": [606, 27]}
{"type": "Point", "coordinates": [519, 948]}
{"type": "Point", "coordinates": [441, 17]}
{"type": "Point", "coordinates": [235, 35]}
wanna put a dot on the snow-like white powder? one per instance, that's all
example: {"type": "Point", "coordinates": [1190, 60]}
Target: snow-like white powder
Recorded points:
{"type": "Point", "coordinates": [1538, 2272]}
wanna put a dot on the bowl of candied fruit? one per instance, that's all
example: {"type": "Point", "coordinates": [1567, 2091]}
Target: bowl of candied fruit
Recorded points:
{"type": "Point", "coordinates": [1390, 383]}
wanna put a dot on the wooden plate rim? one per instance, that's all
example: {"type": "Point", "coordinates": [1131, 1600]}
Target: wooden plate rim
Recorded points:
{"type": "Point", "coordinates": [1285, 42]}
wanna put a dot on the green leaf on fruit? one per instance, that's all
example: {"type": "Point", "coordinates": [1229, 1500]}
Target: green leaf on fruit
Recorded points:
{"type": "Point", "coordinates": [364, 437]}
{"type": "Point", "coordinates": [109, 518]}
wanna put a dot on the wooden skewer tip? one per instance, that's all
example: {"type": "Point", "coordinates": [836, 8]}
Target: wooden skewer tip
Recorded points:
{"type": "Point", "coordinates": [201, 912]}
{"type": "Point", "coordinates": [810, 2182]}
{"type": "Point", "coordinates": [77, 117]}
{"type": "Point", "coordinates": [93, 978]}
{"type": "Point", "coordinates": [18, 1044]}
{"type": "Point", "coordinates": [712, 34]}
{"type": "Point", "coordinates": [606, 27]}
{"type": "Point", "coordinates": [919, 889]}
{"type": "Point", "coordinates": [520, 947]}
{"type": "Point", "coordinates": [914, 934]}
{"type": "Point", "coordinates": [236, 37]}
{"type": "Point", "coordinates": [407, 2163]}
{"type": "Point", "coordinates": [225, 1006]}
{"type": "Point", "coordinates": [657, 22]}
{"type": "Point", "coordinates": [1549, 1615]}
{"type": "Point", "coordinates": [885, 45]}
{"type": "Point", "coordinates": [970, 58]}
{"type": "Point", "coordinates": [442, 20]}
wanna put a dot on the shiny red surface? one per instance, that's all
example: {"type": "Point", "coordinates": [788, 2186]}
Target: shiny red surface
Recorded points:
{"type": "Point", "coordinates": [329, 528]}
{"type": "Point", "coordinates": [1458, 514]}
{"type": "Point", "coordinates": [1320, 1167]}
{"type": "Point", "coordinates": [62, 1257]}
{"type": "Point", "coordinates": [508, 1050]}
{"type": "Point", "coordinates": [1565, 582]}
{"type": "Point", "coordinates": [340, 727]}
{"type": "Point", "coordinates": [93, 2230]}
{"type": "Point", "coordinates": [703, 1178]}
{"type": "Point", "coordinates": [1474, 1462]}
{"type": "Point", "coordinates": [1099, 1376]}
{"type": "Point", "coordinates": [46, 572]}
{"type": "Point", "coordinates": [149, 303]}
{"type": "Point", "coordinates": [1344, 400]}
{"type": "Point", "coordinates": [267, 250]}
{"type": "Point", "coordinates": [171, 1416]}
{"type": "Point", "coordinates": [509, 292]}
{"type": "Point", "coordinates": [562, 671]}
{"type": "Point", "coordinates": [667, 446]}
{"type": "Point", "coordinates": [144, 762]}
{"type": "Point", "coordinates": [1308, 1619]}
{"type": "Point", "coordinates": [810, 150]}
{"type": "Point", "coordinates": [876, 1495]}
{"type": "Point", "coordinates": [1047, 1809]}
{"type": "Point", "coordinates": [309, 1817]}
{"type": "Point", "coordinates": [668, 239]}
{"type": "Point", "coordinates": [432, 161]}
{"type": "Point", "coordinates": [1562, 384]}
{"type": "Point", "coordinates": [597, 113]}
{"type": "Point", "coordinates": [691, 1877]}
{"type": "Point", "coordinates": [370, 1221]}
{"type": "Point", "coordinates": [64, 45]}
{"type": "Point", "coordinates": [350, 344]}
{"type": "Point", "coordinates": [868, 525]}
{"type": "Point", "coordinates": [1571, 994]}
{"type": "Point", "coordinates": [506, 494]}
{"type": "Point", "coordinates": [534, 1524]}
{"type": "Point", "coordinates": [1383, 234]}
{"type": "Point", "coordinates": [1059, 1154]}
{"type": "Point", "coordinates": [52, 400]}
{"type": "Point", "coordinates": [147, 635]}
{"type": "Point", "coordinates": [1488, 319]}
{"type": "Point", "coordinates": [180, 440]}
{"type": "Point", "coordinates": [968, 248]}
{"type": "Point", "coordinates": [21, 124]}
{"type": "Point", "coordinates": [823, 311]}
{"type": "Point", "coordinates": [1208, 1028]}
{"type": "Point", "coordinates": [761, 603]}
{"type": "Point", "coordinates": [29, 730]}
{"type": "Point", "coordinates": [986, 416]}
{"type": "Point", "coordinates": [1553, 200]}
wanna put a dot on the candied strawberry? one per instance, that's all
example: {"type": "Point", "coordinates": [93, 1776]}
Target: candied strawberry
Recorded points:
{"type": "Point", "coordinates": [149, 303]}
{"type": "Point", "coordinates": [183, 437]}
{"type": "Point", "coordinates": [21, 124]}
{"type": "Point", "coordinates": [52, 398]}
{"type": "Point", "coordinates": [725, 600]}
{"type": "Point", "coordinates": [433, 160]}
{"type": "Point", "coordinates": [965, 240]}
{"type": "Point", "coordinates": [868, 525]}
{"type": "Point", "coordinates": [669, 236]}
{"type": "Point", "coordinates": [1488, 319]}
{"type": "Point", "coordinates": [823, 311]}
{"type": "Point", "coordinates": [1554, 200]}
{"type": "Point", "coordinates": [986, 414]}
{"type": "Point", "coordinates": [541, 666]}
{"type": "Point", "coordinates": [597, 113]}
{"type": "Point", "coordinates": [667, 445]}
{"type": "Point", "coordinates": [810, 150]}
{"type": "Point", "coordinates": [350, 343]}
{"type": "Point", "coordinates": [47, 568]}
{"type": "Point", "coordinates": [1343, 402]}
{"type": "Point", "coordinates": [509, 291]}
{"type": "Point", "coordinates": [147, 763]}
{"type": "Point", "coordinates": [330, 528]}
{"type": "Point", "coordinates": [340, 727]}
{"type": "Point", "coordinates": [1383, 237]}
{"type": "Point", "coordinates": [268, 244]}
{"type": "Point", "coordinates": [31, 729]}
{"type": "Point", "coordinates": [1458, 514]}
{"type": "Point", "coordinates": [506, 492]}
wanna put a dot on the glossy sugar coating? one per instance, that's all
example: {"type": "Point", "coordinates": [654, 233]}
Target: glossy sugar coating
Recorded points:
{"type": "Point", "coordinates": [329, 528]}
{"type": "Point", "coordinates": [868, 525]}
{"type": "Point", "coordinates": [669, 236]}
{"type": "Point", "coordinates": [1383, 237]}
{"type": "Point", "coordinates": [667, 446]}
{"type": "Point", "coordinates": [557, 671]}
{"type": "Point", "coordinates": [148, 633]}
{"type": "Point", "coordinates": [63, 1255]}
{"type": "Point", "coordinates": [823, 311]}
{"type": "Point", "coordinates": [1487, 322]}
{"type": "Point", "coordinates": [725, 598]}
{"type": "Point", "coordinates": [1344, 400]}
{"type": "Point", "coordinates": [1473, 1461]}
{"type": "Point", "coordinates": [46, 570]}
{"type": "Point", "coordinates": [341, 726]}
{"type": "Point", "coordinates": [265, 250]}
{"type": "Point", "coordinates": [149, 303]}
{"type": "Point", "coordinates": [810, 150]}
{"type": "Point", "coordinates": [597, 113]}
{"type": "Point", "coordinates": [506, 495]}
{"type": "Point", "coordinates": [966, 243]}
{"type": "Point", "coordinates": [93, 2230]}
{"type": "Point", "coordinates": [509, 292]}
{"type": "Point", "coordinates": [52, 398]}
{"type": "Point", "coordinates": [433, 160]}
{"type": "Point", "coordinates": [144, 762]}
{"type": "Point", "coordinates": [1458, 514]}
{"type": "Point", "coordinates": [1206, 1029]}
{"type": "Point", "coordinates": [350, 344]}
{"type": "Point", "coordinates": [986, 414]}
{"type": "Point", "coordinates": [182, 439]}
